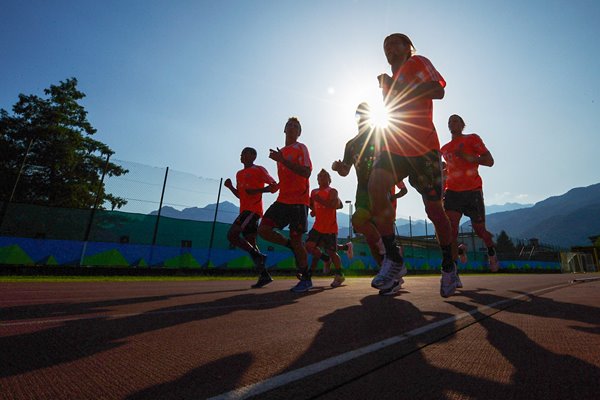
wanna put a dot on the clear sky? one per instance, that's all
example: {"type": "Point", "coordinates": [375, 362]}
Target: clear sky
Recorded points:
{"type": "Point", "coordinates": [188, 84]}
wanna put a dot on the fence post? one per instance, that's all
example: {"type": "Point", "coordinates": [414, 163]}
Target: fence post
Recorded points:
{"type": "Point", "coordinates": [155, 234]}
{"type": "Point", "coordinates": [14, 189]}
{"type": "Point", "coordinates": [89, 225]}
{"type": "Point", "coordinates": [212, 232]}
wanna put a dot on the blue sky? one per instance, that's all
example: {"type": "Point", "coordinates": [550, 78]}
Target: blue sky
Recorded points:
{"type": "Point", "coordinates": [188, 84]}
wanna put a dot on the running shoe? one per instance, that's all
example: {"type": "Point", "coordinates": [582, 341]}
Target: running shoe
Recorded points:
{"type": "Point", "coordinates": [337, 281]}
{"type": "Point", "coordinates": [459, 284]}
{"type": "Point", "coordinates": [302, 286]}
{"type": "Point", "coordinates": [394, 289]}
{"type": "Point", "coordinates": [494, 263]}
{"type": "Point", "coordinates": [350, 251]}
{"type": "Point", "coordinates": [389, 273]}
{"type": "Point", "coordinates": [263, 279]}
{"type": "Point", "coordinates": [448, 282]}
{"type": "Point", "coordinates": [462, 253]}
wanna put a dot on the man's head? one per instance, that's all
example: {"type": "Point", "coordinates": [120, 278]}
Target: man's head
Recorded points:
{"type": "Point", "coordinates": [292, 130]}
{"type": "Point", "coordinates": [456, 124]}
{"type": "Point", "coordinates": [248, 156]}
{"type": "Point", "coordinates": [398, 48]}
{"type": "Point", "coordinates": [363, 113]}
{"type": "Point", "coordinates": [323, 179]}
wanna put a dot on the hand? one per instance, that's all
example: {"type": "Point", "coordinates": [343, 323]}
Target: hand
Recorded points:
{"type": "Point", "coordinates": [273, 188]}
{"type": "Point", "coordinates": [336, 165]}
{"type": "Point", "coordinates": [384, 80]}
{"type": "Point", "coordinates": [276, 155]}
{"type": "Point", "coordinates": [228, 183]}
{"type": "Point", "coordinates": [312, 213]}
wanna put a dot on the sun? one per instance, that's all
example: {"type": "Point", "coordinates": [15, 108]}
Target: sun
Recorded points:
{"type": "Point", "coordinates": [379, 115]}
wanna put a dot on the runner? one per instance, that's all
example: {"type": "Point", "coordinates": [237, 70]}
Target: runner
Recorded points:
{"type": "Point", "coordinates": [250, 185]}
{"type": "Point", "coordinates": [410, 150]}
{"type": "Point", "coordinates": [464, 186]}
{"type": "Point", "coordinates": [324, 202]}
{"type": "Point", "coordinates": [291, 208]}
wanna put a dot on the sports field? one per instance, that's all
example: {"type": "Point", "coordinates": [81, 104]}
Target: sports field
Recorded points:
{"type": "Point", "coordinates": [501, 336]}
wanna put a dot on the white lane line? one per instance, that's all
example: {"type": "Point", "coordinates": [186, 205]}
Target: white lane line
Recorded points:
{"type": "Point", "coordinates": [301, 373]}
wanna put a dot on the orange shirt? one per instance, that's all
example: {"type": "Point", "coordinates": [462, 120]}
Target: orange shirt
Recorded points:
{"type": "Point", "coordinates": [325, 217]}
{"type": "Point", "coordinates": [293, 188]}
{"type": "Point", "coordinates": [411, 132]}
{"type": "Point", "coordinates": [462, 175]}
{"type": "Point", "coordinates": [254, 177]}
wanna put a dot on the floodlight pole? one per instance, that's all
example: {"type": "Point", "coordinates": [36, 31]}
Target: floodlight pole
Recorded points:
{"type": "Point", "coordinates": [212, 232]}
{"type": "Point", "coordinates": [155, 234]}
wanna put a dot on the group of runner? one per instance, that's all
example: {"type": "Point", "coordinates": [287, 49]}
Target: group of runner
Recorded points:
{"type": "Point", "coordinates": [408, 148]}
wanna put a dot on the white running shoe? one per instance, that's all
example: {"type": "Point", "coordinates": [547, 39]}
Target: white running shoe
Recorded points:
{"type": "Point", "coordinates": [350, 251]}
{"type": "Point", "coordinates": [337, 281]}
{"type": "Point", "coordinates": [494, 263]}
{"type": "Point", "coordinates": [394, 289]}
{"type": "Point", "coordinates": [448, 283]}
{"type": "Point", "coordinates": [459, 284]}
{"type": "Point", "coordinates": [462, 253]}
{"type": "Point", "coordinates": [389, 273]}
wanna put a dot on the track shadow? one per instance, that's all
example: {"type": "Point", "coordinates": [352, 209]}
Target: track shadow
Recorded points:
{"type": "Point", "coordinates": [80, 338]}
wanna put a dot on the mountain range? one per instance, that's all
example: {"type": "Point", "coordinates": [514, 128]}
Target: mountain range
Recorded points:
{"type": "Point", "coordinates": [566, 220]}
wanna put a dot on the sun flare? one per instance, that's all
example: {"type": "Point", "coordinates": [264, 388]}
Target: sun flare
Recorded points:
{"type": "Point", "coordinates": [379, 115]}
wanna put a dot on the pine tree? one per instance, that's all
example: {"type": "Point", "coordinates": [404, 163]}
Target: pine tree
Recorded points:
{"type": "Point", "coordinates": [63, 164]}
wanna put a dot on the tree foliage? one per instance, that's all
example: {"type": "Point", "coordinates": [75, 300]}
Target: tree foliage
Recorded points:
{"type": "Point", "coordinates": [504, 243]}
{"type": "Point", "coordinates": [51, 138]}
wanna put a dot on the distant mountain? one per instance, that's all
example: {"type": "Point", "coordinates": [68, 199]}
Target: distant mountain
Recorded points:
{"type": "Point", "coordinates": [496, 208]}
{"type": "Point", "coordinates": [566, 220]}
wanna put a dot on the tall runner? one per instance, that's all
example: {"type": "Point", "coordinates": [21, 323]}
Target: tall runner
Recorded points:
{"type": "Point", "coordinates": [411, 150]}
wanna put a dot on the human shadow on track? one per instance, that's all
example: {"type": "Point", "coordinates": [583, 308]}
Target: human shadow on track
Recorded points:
{"type": "Point", "coordinates": [376, 319]}
{"type": "Point", "coordinates": [546, 307]}
{"type": "Point", "coordinates": [197, 383]}
{"type": "Point", "coordinates": [63, 309]}
{"type": "Point", "coordinates": [536, 372]}
{"type": "Point", "coordinates": [80, 338]}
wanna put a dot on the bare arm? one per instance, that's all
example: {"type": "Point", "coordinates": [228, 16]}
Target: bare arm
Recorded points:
{"type": "Point", "coordinates": [230, 186]}
{"type": "Point", "coordinates": [331, 202]}
{"type": "Point", "coordinates": [298, 169]}
{"type": "Point", "coordinates": [341, 168]}
{"type": "Point", "coordinates": [431, 90]}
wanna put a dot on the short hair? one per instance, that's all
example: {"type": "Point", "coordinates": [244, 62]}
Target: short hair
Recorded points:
{"type": "Point", "coordinates": [323, 171]}
{"type": "Point", "coordinates": [462, 121]}
{"type": "Point", "coordinates": [405, 39]}
{"type": "Point", "coordinates": [295, 119]}
{"type": "Point", "coordinates": [363, 109]}
{"type": "Point", "coordinates": [250, 150]}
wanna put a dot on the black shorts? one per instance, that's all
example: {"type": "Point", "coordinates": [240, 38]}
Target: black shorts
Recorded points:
{"type": "Point", "coordinates": [294, 215]}
{"type": "Point", "coordinates": [469, 203]}
{"type": "Point", "coordinates": [424, 172]}
{"type": "Point", "coordinates": [327, 241]}
{"type": "Point", "coordinates": [248, 222]}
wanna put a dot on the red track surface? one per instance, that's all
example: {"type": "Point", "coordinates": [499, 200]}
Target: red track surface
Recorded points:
{"type": "Point", "coordinates": [501, 337]}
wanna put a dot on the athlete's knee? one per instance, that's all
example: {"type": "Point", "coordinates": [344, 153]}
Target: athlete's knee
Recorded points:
{"type": "Point", "coordinates": [361, 217]}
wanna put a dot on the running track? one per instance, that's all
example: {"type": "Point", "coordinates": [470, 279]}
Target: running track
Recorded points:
{"type": "Point", "coordinates": [501, 337]}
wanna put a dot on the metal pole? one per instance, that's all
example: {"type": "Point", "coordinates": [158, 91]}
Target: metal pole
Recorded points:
{"type": "Point", "coordinates": [89, 225]}
{"type": "Point", "coordinates": [155, 234]}
{"type": "Point", "coordinates": [426, 239]}
{"type": "Point", "coordinates": [14, 189]}
{"type": "Point", "coordinates": [412, 245]}
{"type": "Point", "coordinates": [349, 202]}
{"type": "Point", "coordinates": [212, 232]}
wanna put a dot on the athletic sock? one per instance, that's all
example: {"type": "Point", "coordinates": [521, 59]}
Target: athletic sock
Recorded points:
{"type": "Point", "coordinates": [391, 250]}
{"type": "Point", "coordinates": [447, 261]}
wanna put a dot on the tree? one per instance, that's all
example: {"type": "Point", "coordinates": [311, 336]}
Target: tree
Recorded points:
{"type": "Point", "coordinates": [51, 138]}
{"type": "Point", "coordinates": [504, 244]}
